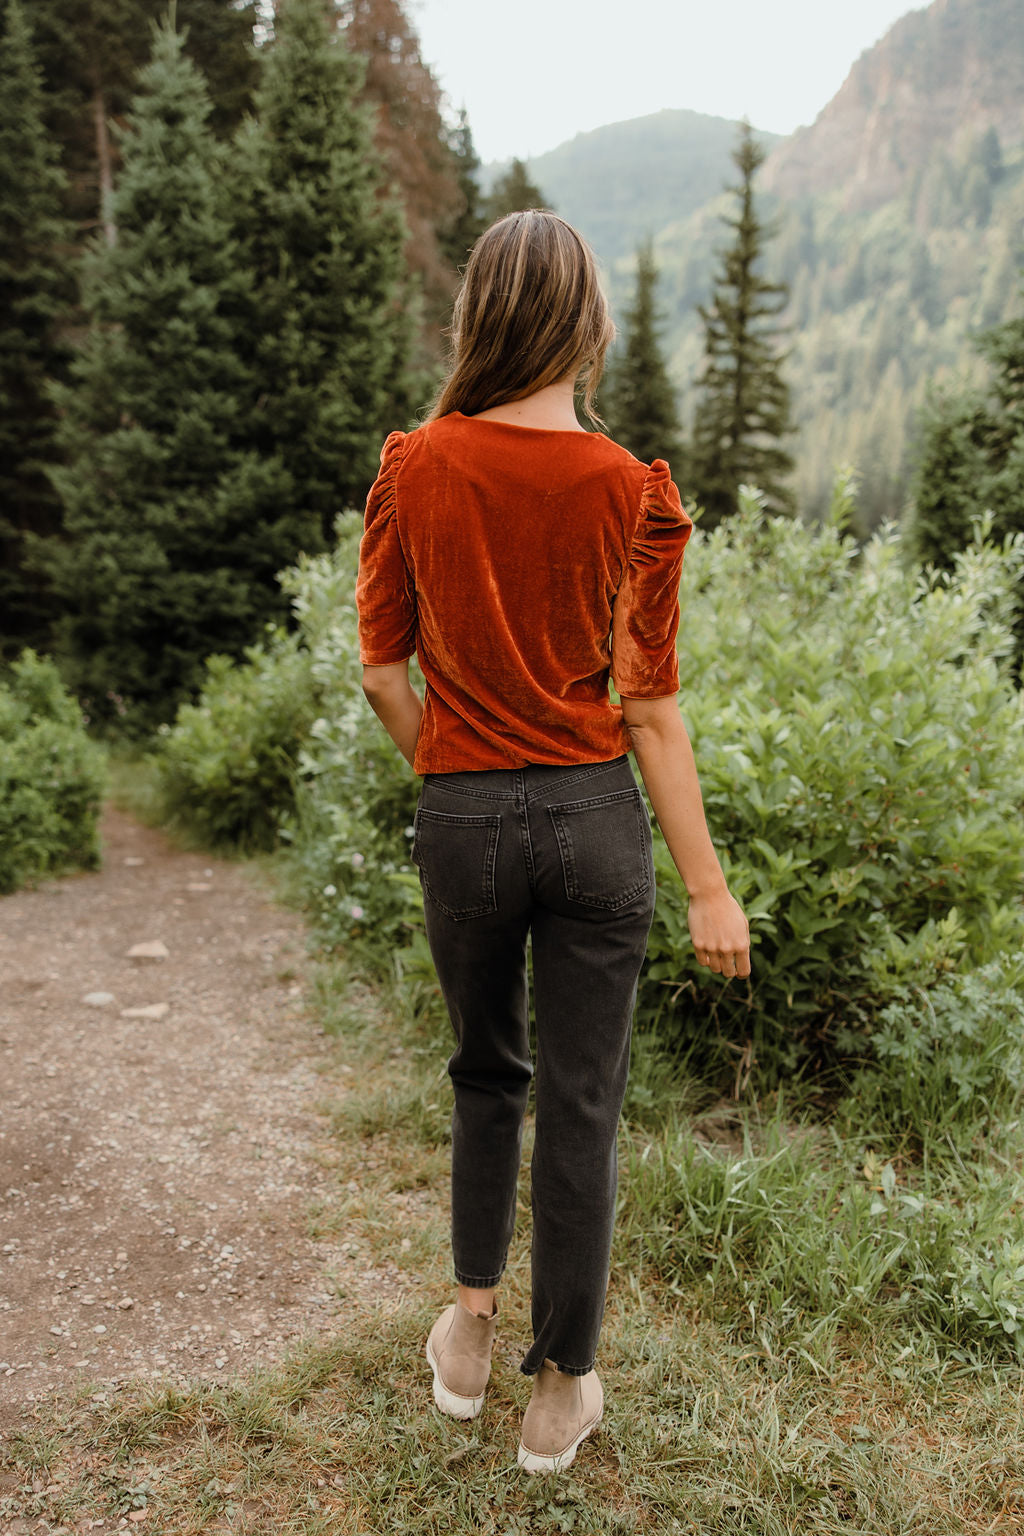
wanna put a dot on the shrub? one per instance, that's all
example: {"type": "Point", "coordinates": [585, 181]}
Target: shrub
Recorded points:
{"type": "Point", "coordinates": [51, 776]}
{"type": "Point", "coordinates": [352, 823]}
{"type": "Point", "coordinates": [860, 747]}
{"type": "Point", "coordinates": [949, 1062]}
{"type": "Point", "coordinates": [226, 767]}
{"type": "Point", "coordinates": [285, 744]}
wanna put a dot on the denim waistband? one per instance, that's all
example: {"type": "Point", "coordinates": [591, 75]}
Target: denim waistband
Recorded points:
{"type": "Point", "coordinates": [521, 783]}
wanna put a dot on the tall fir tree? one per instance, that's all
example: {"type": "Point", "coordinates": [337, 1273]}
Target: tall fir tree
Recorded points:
{"type": "Point", "coordinates": [174, 526]}
{"type": "Point", "coordinates": [330, 321]}
{"type": "Point", "coordinates": [468, 223]}
{"type": "Point", "coordinates": [36, 295]}
{"type": "Point", "coordinates": [637, 398]}
{"type": "Point", "coordinates": [91, 51]}
{"type": "Point", "coordinates": [412, 138]}
{"type": "Point", "coordinates": [512, 192]}
{"type": "Point", "coordinates": [743, 411]}
{"type": "Point", "coordinates": [970, 454]}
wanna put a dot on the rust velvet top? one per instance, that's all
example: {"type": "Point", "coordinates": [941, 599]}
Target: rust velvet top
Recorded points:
{"type": "Point", "coordinates": [524, 567]}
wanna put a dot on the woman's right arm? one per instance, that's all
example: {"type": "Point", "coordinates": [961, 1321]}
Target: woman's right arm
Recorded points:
{"type": "Point", "coordinates": [661, 745]}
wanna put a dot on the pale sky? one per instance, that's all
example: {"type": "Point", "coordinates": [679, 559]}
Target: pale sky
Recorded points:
{"type": "Point", "coordinates": [532, 73]}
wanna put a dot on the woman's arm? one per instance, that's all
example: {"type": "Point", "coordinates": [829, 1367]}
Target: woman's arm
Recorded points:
{"type": "Point", "coordinates": [396, 704]}
{"type": "Point", "coordinates": [661, 745]}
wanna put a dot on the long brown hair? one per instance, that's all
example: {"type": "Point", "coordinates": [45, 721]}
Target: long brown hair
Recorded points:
{"type": "Point", "coordinates": [530, 312]}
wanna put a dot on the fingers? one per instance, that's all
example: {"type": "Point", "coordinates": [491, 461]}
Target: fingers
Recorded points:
{"type": "Point", "coordinates": [726, 963]}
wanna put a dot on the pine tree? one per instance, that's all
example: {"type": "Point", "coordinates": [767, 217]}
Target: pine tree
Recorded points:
{"type": "Point", "coordinates": [637, 398]}
{"type": "Point", "coordinates": [91, 51]}
{"type": "Point", "coordinates": [413, 141]}
{"type": "Point", "coordinates": [971, 454]}
{"type": "Point", "coordinates": [512, 192]}
{"type": "Point", "coordinates": [464, 229]}
{"type": "Point", "coordinates": [330, 318]}
{"type": "Point", "coordinates": [36, 292]}
{"type": "Point", "coordinates": [743, 413]}
{"type": "Point", "coordinates": [174, 530]}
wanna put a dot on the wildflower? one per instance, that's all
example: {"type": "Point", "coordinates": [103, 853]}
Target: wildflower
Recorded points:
{"type": "Point", "coordinates": [410, 831]}
{"type": "Point", "coordinates": [330, 890]}
{"type": "Point", "coordinates": [357, 912]}
{"type": "Point", "coordinates": [358, 860]}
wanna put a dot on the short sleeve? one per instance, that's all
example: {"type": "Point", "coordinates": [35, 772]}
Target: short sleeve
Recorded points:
{"type": "Point", "coordinates": [645, 617]}
{"type": "Point", "coordinates": [385, 594]}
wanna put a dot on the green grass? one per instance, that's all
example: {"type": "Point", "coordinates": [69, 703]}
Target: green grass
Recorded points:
{"type": "Point", "coordinates": [785, 1350]}
{"type": "Point", "coordinates": [702, 1434]}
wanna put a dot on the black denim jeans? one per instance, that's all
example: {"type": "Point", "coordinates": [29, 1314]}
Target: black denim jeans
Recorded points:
{"type": "Point", "coordinates": [562, 856]}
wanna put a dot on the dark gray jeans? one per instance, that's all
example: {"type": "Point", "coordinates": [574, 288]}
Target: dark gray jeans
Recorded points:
{"type": "Point", "coordinates": [562, 855]}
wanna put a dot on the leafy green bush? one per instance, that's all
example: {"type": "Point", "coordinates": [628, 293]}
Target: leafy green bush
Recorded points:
{"type": "Point", "coordinates": [51, 776]}
{"type": "Point", "coordinates": [226, 767]}
{"type": "Point", "coordinates": [949, 1062]}
{"type": "Point", "coordinates": [286, 745]}
{"type": "Point", "coordinates": [352, 824]}
{"type": "Point", "coordinates": [860, 747]}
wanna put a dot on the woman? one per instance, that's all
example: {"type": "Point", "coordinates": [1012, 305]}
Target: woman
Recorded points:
{"type": "Point", "coordinates": [527, 561]}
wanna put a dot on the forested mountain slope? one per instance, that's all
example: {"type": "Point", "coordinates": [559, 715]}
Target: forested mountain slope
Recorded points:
{"type": "Point", "coordinates": [626, 181]}
{"type": "Point", "coordinates": [900, 215]}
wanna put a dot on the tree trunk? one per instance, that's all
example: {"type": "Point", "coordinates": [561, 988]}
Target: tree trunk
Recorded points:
{"type": "Point", "coordinates": [99, 113]}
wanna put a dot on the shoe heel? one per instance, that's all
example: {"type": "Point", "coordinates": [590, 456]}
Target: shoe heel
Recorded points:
{"type": "Point", "coordinates": [452, 1403]}
{"type": "Point", "coordinates": [533, 1461]}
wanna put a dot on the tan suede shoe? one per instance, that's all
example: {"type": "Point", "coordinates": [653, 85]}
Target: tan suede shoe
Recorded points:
{"type": "Point", "coordinates": [563, 1411]}
{"type": "Point", "coordinates": [459, 1352]}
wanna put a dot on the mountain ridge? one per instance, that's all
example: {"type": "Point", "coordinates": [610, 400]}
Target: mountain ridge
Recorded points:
{"type": "Point", "coordinates": [936, 71]}
{"type": "Point", "coordinates": [898, 219]}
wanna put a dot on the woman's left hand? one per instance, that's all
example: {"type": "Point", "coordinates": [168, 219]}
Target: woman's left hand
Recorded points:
{"type": "Point", "coordinates": [720, 933]}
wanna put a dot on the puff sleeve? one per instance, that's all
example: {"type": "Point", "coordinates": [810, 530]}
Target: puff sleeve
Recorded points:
{"type": "Point", "coordinates": [645, 616]}
{"type": "Point", "coordinates": [385, 593]}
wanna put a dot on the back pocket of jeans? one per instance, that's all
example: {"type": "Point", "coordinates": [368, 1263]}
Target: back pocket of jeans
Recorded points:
{"type": "Point", "coordinates": [456, 856]}
{"type": "Point", "coordinates": [604, 845]}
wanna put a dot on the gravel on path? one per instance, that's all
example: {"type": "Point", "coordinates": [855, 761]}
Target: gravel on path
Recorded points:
{"type": "Point", "coordinates": [160, 1144]}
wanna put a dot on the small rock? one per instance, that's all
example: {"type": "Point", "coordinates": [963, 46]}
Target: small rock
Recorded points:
{"type": "Point", "coordinates": [133, 861]}
{"type": "Point", "coordinates": [125, 1303]}
{"type": "Point", "coordinates": [150, 1011]}
{"type": "Point", "coordinates": [198, 885]}
{"type": "Point", "coordinates": [98, 999]}
{"type": "Point", "coordinates": [150, 949]}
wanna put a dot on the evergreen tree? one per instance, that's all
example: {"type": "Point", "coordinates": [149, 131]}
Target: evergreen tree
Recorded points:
{"type": "Point", "coordinates": [413, 141]}
{"type": "Point", "coordinates": [329, 322]}
{"type": "Point", "coordinates": [512, 192]}
{"type": "Point", "coordinates": [174, 529]}
{"type": "Point", "coordinates": [464, 229]}
{"type": "Point", "coordinates": [743, 412]}
{"type": "Point", "coordinates": [637, 398]}
{"type": "Point", "coordinates": [36, 292]}
{"type": "Point", "coordinates": [971, 454]}
{"type": "Point", "coordinates": [91, 51]}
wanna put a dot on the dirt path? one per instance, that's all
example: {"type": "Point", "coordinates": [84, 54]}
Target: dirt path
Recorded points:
{"type": "Point", "coordinates": [156, 1167]}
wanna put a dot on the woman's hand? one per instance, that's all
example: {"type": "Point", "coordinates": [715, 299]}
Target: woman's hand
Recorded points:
{"type": "Point", "coordinates": [664, 756]}
{"type": "Point", "coordinates": [720, 933]}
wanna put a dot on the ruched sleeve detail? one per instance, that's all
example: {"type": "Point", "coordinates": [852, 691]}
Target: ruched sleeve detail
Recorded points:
{"type": "Point", "coordinates": [645, 617]}
{"type": "Point", "coordinates": [385, 593]}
